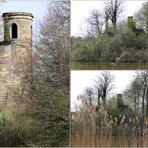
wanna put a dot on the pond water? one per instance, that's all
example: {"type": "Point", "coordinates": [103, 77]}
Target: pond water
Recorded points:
{"type": "Point", "coordinates": [109, 66]}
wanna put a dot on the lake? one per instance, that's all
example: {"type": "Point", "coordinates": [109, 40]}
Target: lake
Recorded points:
{"type": "Point", "coordinates": [109, 66]}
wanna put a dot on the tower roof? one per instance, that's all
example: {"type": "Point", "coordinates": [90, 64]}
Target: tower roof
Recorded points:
{"type": "Point", "coordinates": [11, 14]}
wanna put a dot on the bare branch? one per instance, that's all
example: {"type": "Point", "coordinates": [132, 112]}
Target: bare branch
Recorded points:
{"type": "Point", "coordinates": [113, 8]}
{"type": "Point", "coordinates": [95, 22]}
{"type": "Point", "coordinates": [104, 85]}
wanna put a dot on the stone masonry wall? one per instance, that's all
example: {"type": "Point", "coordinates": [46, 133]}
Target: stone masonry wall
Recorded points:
{"type": "Point", "coordinates": [5, 72]}
{"type": "Point", "coordinates": [16, 62]}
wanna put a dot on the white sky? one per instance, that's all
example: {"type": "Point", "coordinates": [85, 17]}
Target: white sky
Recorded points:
{"type": "Point", "coordinates": [80, 11]}
{"type": "Point", "coordinates": [82, 79]}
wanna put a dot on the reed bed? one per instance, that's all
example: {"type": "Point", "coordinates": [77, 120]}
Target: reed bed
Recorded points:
{"type": "Point", "coordinates": [99, 129]}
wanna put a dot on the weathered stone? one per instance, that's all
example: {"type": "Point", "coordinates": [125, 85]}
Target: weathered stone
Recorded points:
{"type": "Point", "coordinates": [16, 60]}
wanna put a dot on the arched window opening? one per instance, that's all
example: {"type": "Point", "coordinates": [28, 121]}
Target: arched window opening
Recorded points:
{"type": "Point", "coordinates": [14, 31]}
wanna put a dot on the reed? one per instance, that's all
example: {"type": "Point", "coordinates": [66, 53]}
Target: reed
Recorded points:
{"type": "Point", "coordinates": [92, 128]}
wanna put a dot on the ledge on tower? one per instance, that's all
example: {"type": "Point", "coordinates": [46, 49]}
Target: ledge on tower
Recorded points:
{"type": "Point", "coordinates": [9, 14]}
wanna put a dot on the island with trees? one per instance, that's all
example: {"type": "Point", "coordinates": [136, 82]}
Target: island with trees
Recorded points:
{"type": "Point", "coordinates": [108, 39]}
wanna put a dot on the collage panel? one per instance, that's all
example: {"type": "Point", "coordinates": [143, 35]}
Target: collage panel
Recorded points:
{"type": "Point", "coordinates": [109, 34]}
{"type": "Point", "coordinates": [34, 73]}
{"type": "Point", "coordinates": [109, 108]}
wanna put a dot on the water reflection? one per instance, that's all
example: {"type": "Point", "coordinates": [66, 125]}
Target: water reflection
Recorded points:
{"type": "Point", "coordinates": [108, 66]}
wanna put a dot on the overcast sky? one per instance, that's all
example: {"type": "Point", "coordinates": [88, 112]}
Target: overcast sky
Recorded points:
{"type": "Point", "coordinates": [82, 79]}
{"type": "Point", "coordinates": [80, 11]}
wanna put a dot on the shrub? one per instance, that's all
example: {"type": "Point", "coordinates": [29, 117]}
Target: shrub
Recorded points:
{"type": "Point", "coordinates": [82, 53]}
{"type": "Point", "coordinates": [129, 39]}
{"type": "Point", "coordinates": [11, 136]}
{"type": "Point", "coordinates": [4, 119]}
{"type": "Point", "coordinates": [108, 48]}
{"type": "Point", "coordinates": [116, 108]}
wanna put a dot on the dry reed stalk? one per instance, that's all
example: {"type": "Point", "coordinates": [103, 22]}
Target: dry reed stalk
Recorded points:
{"type": "Point", "coordinates": [92, 129]}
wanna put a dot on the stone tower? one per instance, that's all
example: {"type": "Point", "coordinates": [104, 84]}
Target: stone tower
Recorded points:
{"type": "Point", "coordinates": [130, 23]}
{"type": "Point", "coordinates": [16, 59]}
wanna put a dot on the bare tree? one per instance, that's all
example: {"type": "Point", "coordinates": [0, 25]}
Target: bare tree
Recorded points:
{"type": "Point", "coordinates": [103, 85]}
{"type": "Point", "coordinates": [142, 16]}
{"type": "Point", "coordinates": [113, 9]}
{"type": "Point", "coordinates": [52, 75]}
{"type": "Point", "coordinates": [143, 82]}
{"type": "Point", "coordinates": [106, 21]}
{"type": "Point", "coordinates": [133, 95]}
{"type": "Point", "coordinates": [95, 22]}
{"type": "Point", "coordinates": [89, 94]}
{"type": "Point", "coordinates": [138, 91]}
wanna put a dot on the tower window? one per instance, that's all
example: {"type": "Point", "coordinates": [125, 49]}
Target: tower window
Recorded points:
{"type": "Point", "coordinates": [14, 31]}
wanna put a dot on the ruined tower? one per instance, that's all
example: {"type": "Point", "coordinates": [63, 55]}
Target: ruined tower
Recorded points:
{"type": "Point", "coordinates": [130, 24]}
{"type": "Point", "coordinates": [16, 59]}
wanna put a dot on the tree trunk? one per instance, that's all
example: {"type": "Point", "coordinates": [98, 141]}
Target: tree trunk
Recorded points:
{"type": "Point", "coordinates": [98, 28]}
{"type": "Point", "coordinates": [106, 27]}
{"type": "Point", "coordinates": [90, 100]}
{"type": "Point", "coordinates": [138, 104]}
{"type": "Point", "coordinates": [135, 104]}
{"type": "Point", "coordinates": [147, 26]}
{"type": "Point", "coordinates": [104, 100]}
{"type": "Point", "coordinates": [146, 98]}
{"type": "Point", "coordinates": [114, 22]}
{"type": "Point", "coordinates": [98, 100]}
{"type": "Point", "coordinates": [143, 108]}
{"type": "Point", "coordinates": [115, 27]}
{"type": "Point", "coordinates": [147, 109]}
